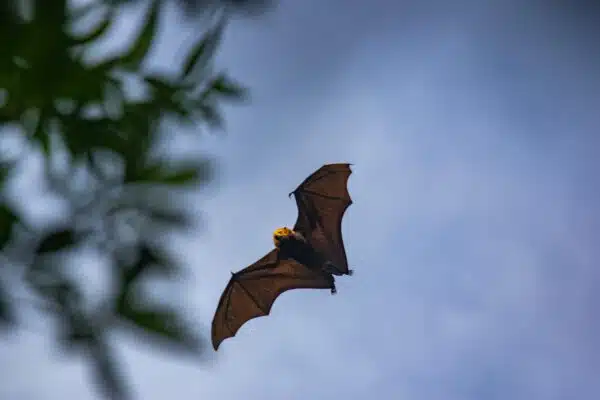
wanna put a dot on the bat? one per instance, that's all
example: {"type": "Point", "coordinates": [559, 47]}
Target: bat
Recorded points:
{"type": "Point", "coordinates": [305, 257]}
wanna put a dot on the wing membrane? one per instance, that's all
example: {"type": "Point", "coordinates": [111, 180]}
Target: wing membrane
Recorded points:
{"type": "Point", "coordinates": [322, 200]}
{"type": "Point", "coordinates": [252, 291]}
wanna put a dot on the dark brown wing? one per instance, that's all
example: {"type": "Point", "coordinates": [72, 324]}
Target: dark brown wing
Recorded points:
{"type": "Point", "coordinates": [252, 291]}
{"type": "Point", "coordinates": [322, 200]}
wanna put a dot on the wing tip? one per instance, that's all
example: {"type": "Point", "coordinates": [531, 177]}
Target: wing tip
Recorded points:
{"type": "Point", "coordinates": [217, 343]}
{"type": "Point", "coordinates": [217, 339]}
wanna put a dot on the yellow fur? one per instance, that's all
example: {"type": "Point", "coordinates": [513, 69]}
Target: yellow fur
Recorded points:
{"type": "Point", "coordinates": [282, 234]}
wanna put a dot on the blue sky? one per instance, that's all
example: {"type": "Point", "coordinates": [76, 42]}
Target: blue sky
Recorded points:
{"type": "Point", "coordinates": [473, 134]}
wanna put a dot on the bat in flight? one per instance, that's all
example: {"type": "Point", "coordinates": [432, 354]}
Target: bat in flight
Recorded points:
{"type": "Point", "coordinates": [305, 257]}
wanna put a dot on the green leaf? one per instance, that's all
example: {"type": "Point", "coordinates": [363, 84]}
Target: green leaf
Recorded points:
{"type": "Point", "coordinates": [174, 218]}
{"type": "Point", "coordinates": [130, 274]}
{"type": "Point", "coordinates": [84, 85]}
{"type": "Point", "coordinates": [165, 173]}
{"type": "Point", "coordinates": [157, 260]}
{"type": "Point", "coordinates": [210, 114]}
{"type": "Point", "coordinates": [162, 323]}
{"type": "Point", "coordinates": [79, 333]}
{"type": "Point", "coordinates": [56, 241]}
{"type": "Point", "coordinates": [139, 50]}
{"type": "Point", "coordinates": [5, 169]}
{"type": "Point", "coordinates": [182, 177]}
{"type": "Point", "coordinates": [52, 15]}
{"type": "Point", "coordinates": [166, 84]}
{"type": "Point", "coordinates": [76, 329]}
{"type": "Point", "coordinates": [226, 87]}
{"type": "Point", "coordinates": [203, 50]}
{"type": "Point", "coordinates": [108, 64]}
{"type": "Point", "coordinates": [115, 89]}
{"type": "Point", "coordinates": [40, 133]}
{"type": "Point", "coordinates": [96, 32]}
{"type": "Point", "coordinates": [84, 135]}
{"type": "Point", "coordinates": [7, 315]}
{"type": "Point", "coordinates": [149, 173]}
{"type": "Point", "coordinates": [49, 282]}
{"type": "Point", "coordinates": [64, 293]}
{"type": "Point", "coordinates": [7, 221]}
{"type": "Point", "coordinates": [106, 371]}
{"type": "Point", "coordinates": [170, 95]}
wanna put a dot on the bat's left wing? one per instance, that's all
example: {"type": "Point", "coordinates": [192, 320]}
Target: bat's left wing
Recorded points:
{"type": "Point", "coordinates": [252, 291]}
{"type": "Point", "coordinates": [322, 200]}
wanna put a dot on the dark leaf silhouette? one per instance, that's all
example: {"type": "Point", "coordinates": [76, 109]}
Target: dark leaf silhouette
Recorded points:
{"type": "Point", "coordinates": [203, 50]}
{"type": "Point", "coordinates": [210, 114]}
{"type": "Point", "coordinates": [163, 173]}
{"type": "Point", "coordinates": [162, 323]}
{"type": "Point", "coordinates": [158, 261]}
{"type": "Point", "coordinates": [142, 44]}
{"type": "Point", "coordinates": [184, 176]}
{"type": "Point", "coordinates": [7, 221]}
{"type": "Point", "coordinates": [199, 8]}
{"type": "Point", "coordinates": [7, 314]}
{"type": "Point", "coordinates": [5, 169]}
{"type": "Point", "coordinates": [151, 259]}
{"type": "Point", "coordinates": [226, 87]}
{"type": "Point", "coordinates": [101, 28]}
{"type": "Point", "coordinates": [107, 371]}
{"type": "Point", "coordinates": [56, 241]}
{"type": "Point", "coordinates": [102, 159]}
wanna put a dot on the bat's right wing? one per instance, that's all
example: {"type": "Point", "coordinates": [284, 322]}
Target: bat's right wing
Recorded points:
{"type": "Point", "coordinates": [252, 291]}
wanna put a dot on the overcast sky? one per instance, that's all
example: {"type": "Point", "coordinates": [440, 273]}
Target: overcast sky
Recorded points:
{"type": "Point", "coordinates": [473, 131]}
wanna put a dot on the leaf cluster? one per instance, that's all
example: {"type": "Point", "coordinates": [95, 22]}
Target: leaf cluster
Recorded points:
{"type": "Point", "coordinates": [98, 143]}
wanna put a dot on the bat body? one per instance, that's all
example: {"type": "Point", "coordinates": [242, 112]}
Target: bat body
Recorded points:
{"type": "Point", "coordinates": [305, 257]}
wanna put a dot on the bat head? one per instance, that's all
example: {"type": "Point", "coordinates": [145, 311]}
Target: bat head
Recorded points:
{"type": "Point", "coordinates": [281, 234]}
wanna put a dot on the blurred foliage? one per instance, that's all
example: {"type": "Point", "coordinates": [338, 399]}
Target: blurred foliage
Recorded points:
{"type": "Point", "coordinates": [196, 8]}
{"type": "Point", "coordinates": [98, 143]}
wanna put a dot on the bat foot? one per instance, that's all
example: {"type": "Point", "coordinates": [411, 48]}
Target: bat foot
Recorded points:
{"type": "Point", "coordinates": [333, 290]}
{"type": "Point", "coordinates": [350, 272]}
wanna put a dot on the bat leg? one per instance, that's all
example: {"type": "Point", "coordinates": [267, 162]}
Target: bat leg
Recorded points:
{"type": "Point", "coordinates": [330, 268]}
{"type": "Point", "coordinates": [333, 289]}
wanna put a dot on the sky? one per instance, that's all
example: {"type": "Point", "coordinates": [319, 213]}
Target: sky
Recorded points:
{"type": "Point", "coordinates": [473, 134]}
